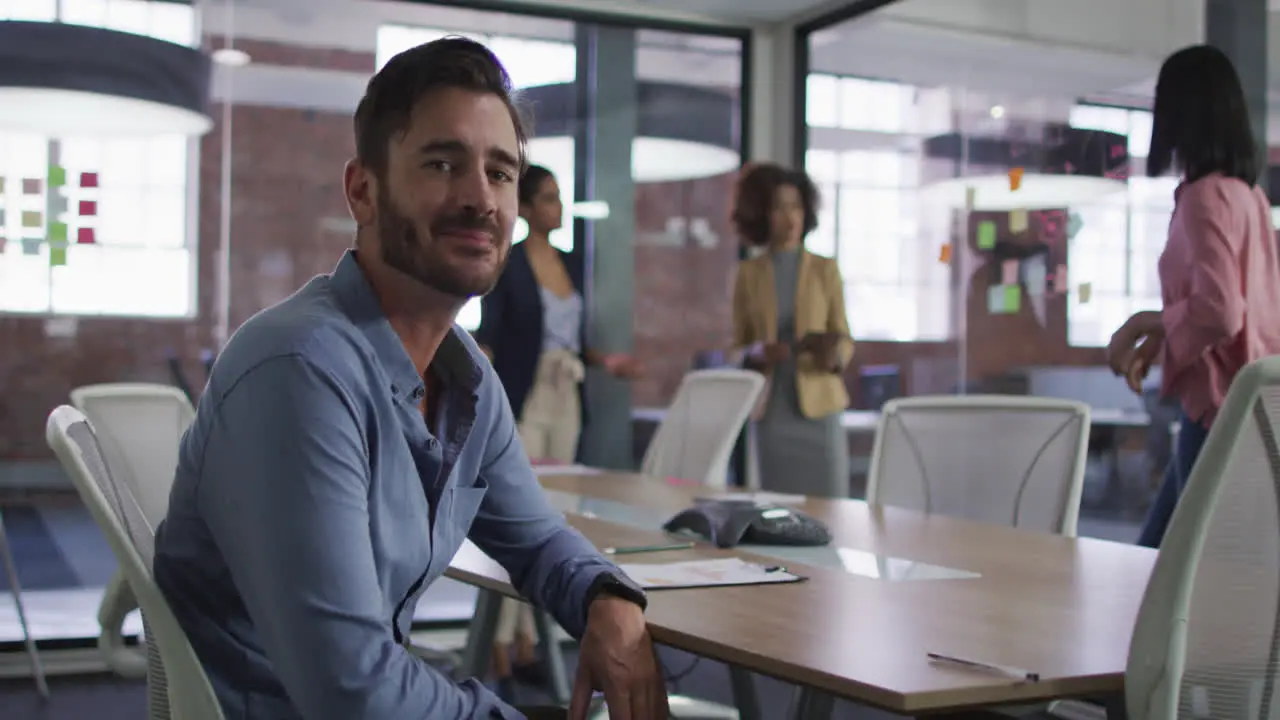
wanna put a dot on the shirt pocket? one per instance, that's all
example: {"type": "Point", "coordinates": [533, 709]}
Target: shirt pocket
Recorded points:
{"type": "Point", "coordinates": [458, 509]}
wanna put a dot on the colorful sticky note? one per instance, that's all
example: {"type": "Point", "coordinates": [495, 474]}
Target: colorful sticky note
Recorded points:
{"type": "Point", "coordinates": [57, 176]}
{"type": "Point", "coordinates": [85, 236]}
{"type": "Point", "coordinates": [88, 180]}
{"type": "Point", "coordinates": [1018, 221]}
{"type": "Point", "coordinates": [31, 186]}
{"type": "Point", "coordinates": [57, 204]}
{"type": "Point", "coordinates": [970, 197]}
{"type": "Point", "coordinates": [1009, 272]}
{"type": "Point", "coordinates": [1060, 279]}
{"type": "Point", "coordinates": [944, 255]}
{"type": "Point", "coordinates": [57, 232]}
{"type": "Point", "coordinates": [1, 218]}
{"type": "Point", "coordinates": [57, 254]}
{"type": "Point", "coordinates": [986, 235]}
{"type": "Point", "coordinates": [1012, 298]}
{"type": "Point", "coordinates": [3, 242]}
{"type": "Point", "coordinates": [31, 219]}
{"type": "Point", "coordinates": [30, 246]}
{"type": "Point", "coordinates": [1, 186]}
{"type": "Point", "coordinates": [1085, 293]}
{"type": "Point", "coordinates": [1034, 275]}
{"type": "Point", "coordinates": [998, 300]}
{"type": "Point", "coordinates": [1074, 223]}
{"type": "Point", "coordinates": [1015, 178]}
{"type": "Point", "coordinates": [88, 208]}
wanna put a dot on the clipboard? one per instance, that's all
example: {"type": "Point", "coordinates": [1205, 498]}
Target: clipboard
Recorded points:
{"type": "Point", "coordinates": [724, 572]}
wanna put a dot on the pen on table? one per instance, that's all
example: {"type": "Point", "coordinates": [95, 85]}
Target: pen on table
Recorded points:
{"type": "Point", "coordinates": [632, 550]}
{"type": "Point", "coordinates": [1014, 672]}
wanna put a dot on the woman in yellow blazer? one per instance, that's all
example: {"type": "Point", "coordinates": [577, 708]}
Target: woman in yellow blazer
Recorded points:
{"type": "Point", "coordinates": [789, 323]}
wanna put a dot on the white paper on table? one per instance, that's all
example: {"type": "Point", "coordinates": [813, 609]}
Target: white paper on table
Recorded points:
{"type": "Point", "coordinates": [705, 573]}
{"type": "Point", "coordinates": [564, 470]}
{"type": "Point", "coordinates": [759, 498]}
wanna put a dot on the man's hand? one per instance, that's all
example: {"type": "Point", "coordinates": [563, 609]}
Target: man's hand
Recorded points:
{"type": "Point", "coordinates": [618, 659]}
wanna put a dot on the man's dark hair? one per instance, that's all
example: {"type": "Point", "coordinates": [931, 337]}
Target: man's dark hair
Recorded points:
{"type": "Point", "coordinates": [1201, 120]}
{"type": "Point", "coordinates": [450, 62]}
{"type": "Point", "coordinates": [530, 181]}
{"type": "Point", "coordinates": [754, 195]}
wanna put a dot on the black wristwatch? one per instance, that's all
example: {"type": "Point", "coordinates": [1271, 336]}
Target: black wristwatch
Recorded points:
{"type": "Point", "coordinates": [619, 586]}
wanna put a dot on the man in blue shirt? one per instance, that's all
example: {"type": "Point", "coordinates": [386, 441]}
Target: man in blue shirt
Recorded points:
{"type": "Point", "coordinates": [351, 437]}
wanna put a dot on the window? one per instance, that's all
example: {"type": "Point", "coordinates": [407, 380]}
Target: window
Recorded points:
{"type": "Point", "coordinates": [1131, 226]}
{"type": "Point", "coordinates": [530, 63]}
{"type": "Point", "coordinates": [871, 223]}
{"type": "Point", "coordinates": [123, 203]}
{"type": "Point", "coordinates": [872, 220]}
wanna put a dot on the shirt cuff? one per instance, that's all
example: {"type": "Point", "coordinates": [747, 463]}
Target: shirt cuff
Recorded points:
{"type": "Point", "coordinates": [617, 585]}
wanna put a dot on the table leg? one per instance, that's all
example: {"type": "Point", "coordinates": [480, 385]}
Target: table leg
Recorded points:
{"type": "Point", "coordinates": [744, 694]}
{"type": "Point", "coordinates": [810, 704]}
{"type": "Point", "coordinates": [560, 691]}
{"type": "Point", "coordinates": [478, 652]}
{"type": "Point", "coordinates": [11, 571]}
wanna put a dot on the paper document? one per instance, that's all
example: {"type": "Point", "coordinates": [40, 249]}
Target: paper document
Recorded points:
{"type": "Point", "coordinates": [759, 498]}
{"type": "Point", "coordinates": [564, 470]}
{"type": "Point", "coordinates": [705, 573]}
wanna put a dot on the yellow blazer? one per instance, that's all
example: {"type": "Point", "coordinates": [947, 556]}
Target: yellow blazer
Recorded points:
{"type": "Point", "coordinates": [819, 307]}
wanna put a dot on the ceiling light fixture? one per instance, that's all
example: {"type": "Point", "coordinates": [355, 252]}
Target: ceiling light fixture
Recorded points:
{"type": "Point", "coordinates": [682, 132]}
{"type": "Point", "coordinates": [1064, 167]}
{"type": "Point", "coordinates": [231, 57]}
{"type": "Point", "coordinates": [63, 79]}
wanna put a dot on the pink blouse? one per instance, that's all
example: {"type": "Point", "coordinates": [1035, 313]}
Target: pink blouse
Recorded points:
{"type": "Point", "coordinates": [1220, 281]}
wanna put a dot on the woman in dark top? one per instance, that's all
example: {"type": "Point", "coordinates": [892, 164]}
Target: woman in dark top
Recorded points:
{"type": "Point", "coordinates": [532, 328]}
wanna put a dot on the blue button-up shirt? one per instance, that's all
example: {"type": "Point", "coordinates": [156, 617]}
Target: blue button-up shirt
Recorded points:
{"type": "Point", "coordinates": [312, 506]}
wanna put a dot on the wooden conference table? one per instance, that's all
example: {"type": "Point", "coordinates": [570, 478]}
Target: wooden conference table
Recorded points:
{"type": "Point", "coordinates": [893, 586]}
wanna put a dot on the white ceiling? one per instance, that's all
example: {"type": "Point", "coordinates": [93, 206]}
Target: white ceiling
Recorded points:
{"type": "Point", "coordinates": [1016, 51]}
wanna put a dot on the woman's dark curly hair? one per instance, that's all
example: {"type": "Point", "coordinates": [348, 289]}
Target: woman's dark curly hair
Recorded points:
{"type": "Point", "coordinates": [753, 198]}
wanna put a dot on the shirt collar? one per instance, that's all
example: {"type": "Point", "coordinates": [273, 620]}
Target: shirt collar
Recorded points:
{"type": "Point", "coordinates": [454, 360]}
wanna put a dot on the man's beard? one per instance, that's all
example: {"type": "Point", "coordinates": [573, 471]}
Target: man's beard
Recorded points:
{"type": "Point", "coordinates": [403, 249]}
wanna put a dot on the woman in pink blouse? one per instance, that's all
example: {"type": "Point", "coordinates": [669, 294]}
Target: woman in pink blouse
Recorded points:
{"type": "Point", "coordinates": [1219, 274]}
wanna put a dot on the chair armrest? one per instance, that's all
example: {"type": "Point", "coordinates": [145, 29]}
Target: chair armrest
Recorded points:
{"type": "Point", "coordinates": [117, 602]}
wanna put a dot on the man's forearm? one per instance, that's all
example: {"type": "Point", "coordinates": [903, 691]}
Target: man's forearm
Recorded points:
{"type": "Point", "coordinates": [563, 578]}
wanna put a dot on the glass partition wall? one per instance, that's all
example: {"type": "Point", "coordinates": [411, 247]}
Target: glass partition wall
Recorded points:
{"type": "Point", "coordinates": [640, 122]}
{"type": "Point", "coordinates": [993, 223]}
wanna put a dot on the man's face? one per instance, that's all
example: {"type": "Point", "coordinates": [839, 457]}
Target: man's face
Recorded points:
{"type": "Point", "coordinates": [446, 208]}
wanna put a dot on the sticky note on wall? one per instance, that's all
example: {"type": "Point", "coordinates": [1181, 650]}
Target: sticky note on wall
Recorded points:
{"type": "Point", "coordinates": [1004, 299]}
{"type": "Point", "coordinates": [944, 254]}
{"type": "Point", "coordinates": [31, 186]}
{"type": "Point", "coordinates": [31, 219]}
{"type": "Point", "coordinates": [30, 246]}
{"type": "Point", "coordinates": [1084, 293]}
{"type": "Point", "coordinates": [986, 235]}
{"type": "Point", "coordinates": [57, 254]}
{"type": "Point", "coordinates": [88, 180]}
{"type": "Point", "coordinates": [1015, 178]}
{"type": "Point", "coordinates": [1018, 221]}
{"type": "Point", "coordinates": [57, 176]}
{"type": "Point", "coordinates": [1074, 223]}
{"type": "Point", "coordinates": [85, 236]}
{"type": "Point", "coordinates": [1009, 272]}
{"type": "Point", "coordinates": [57, 232]}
